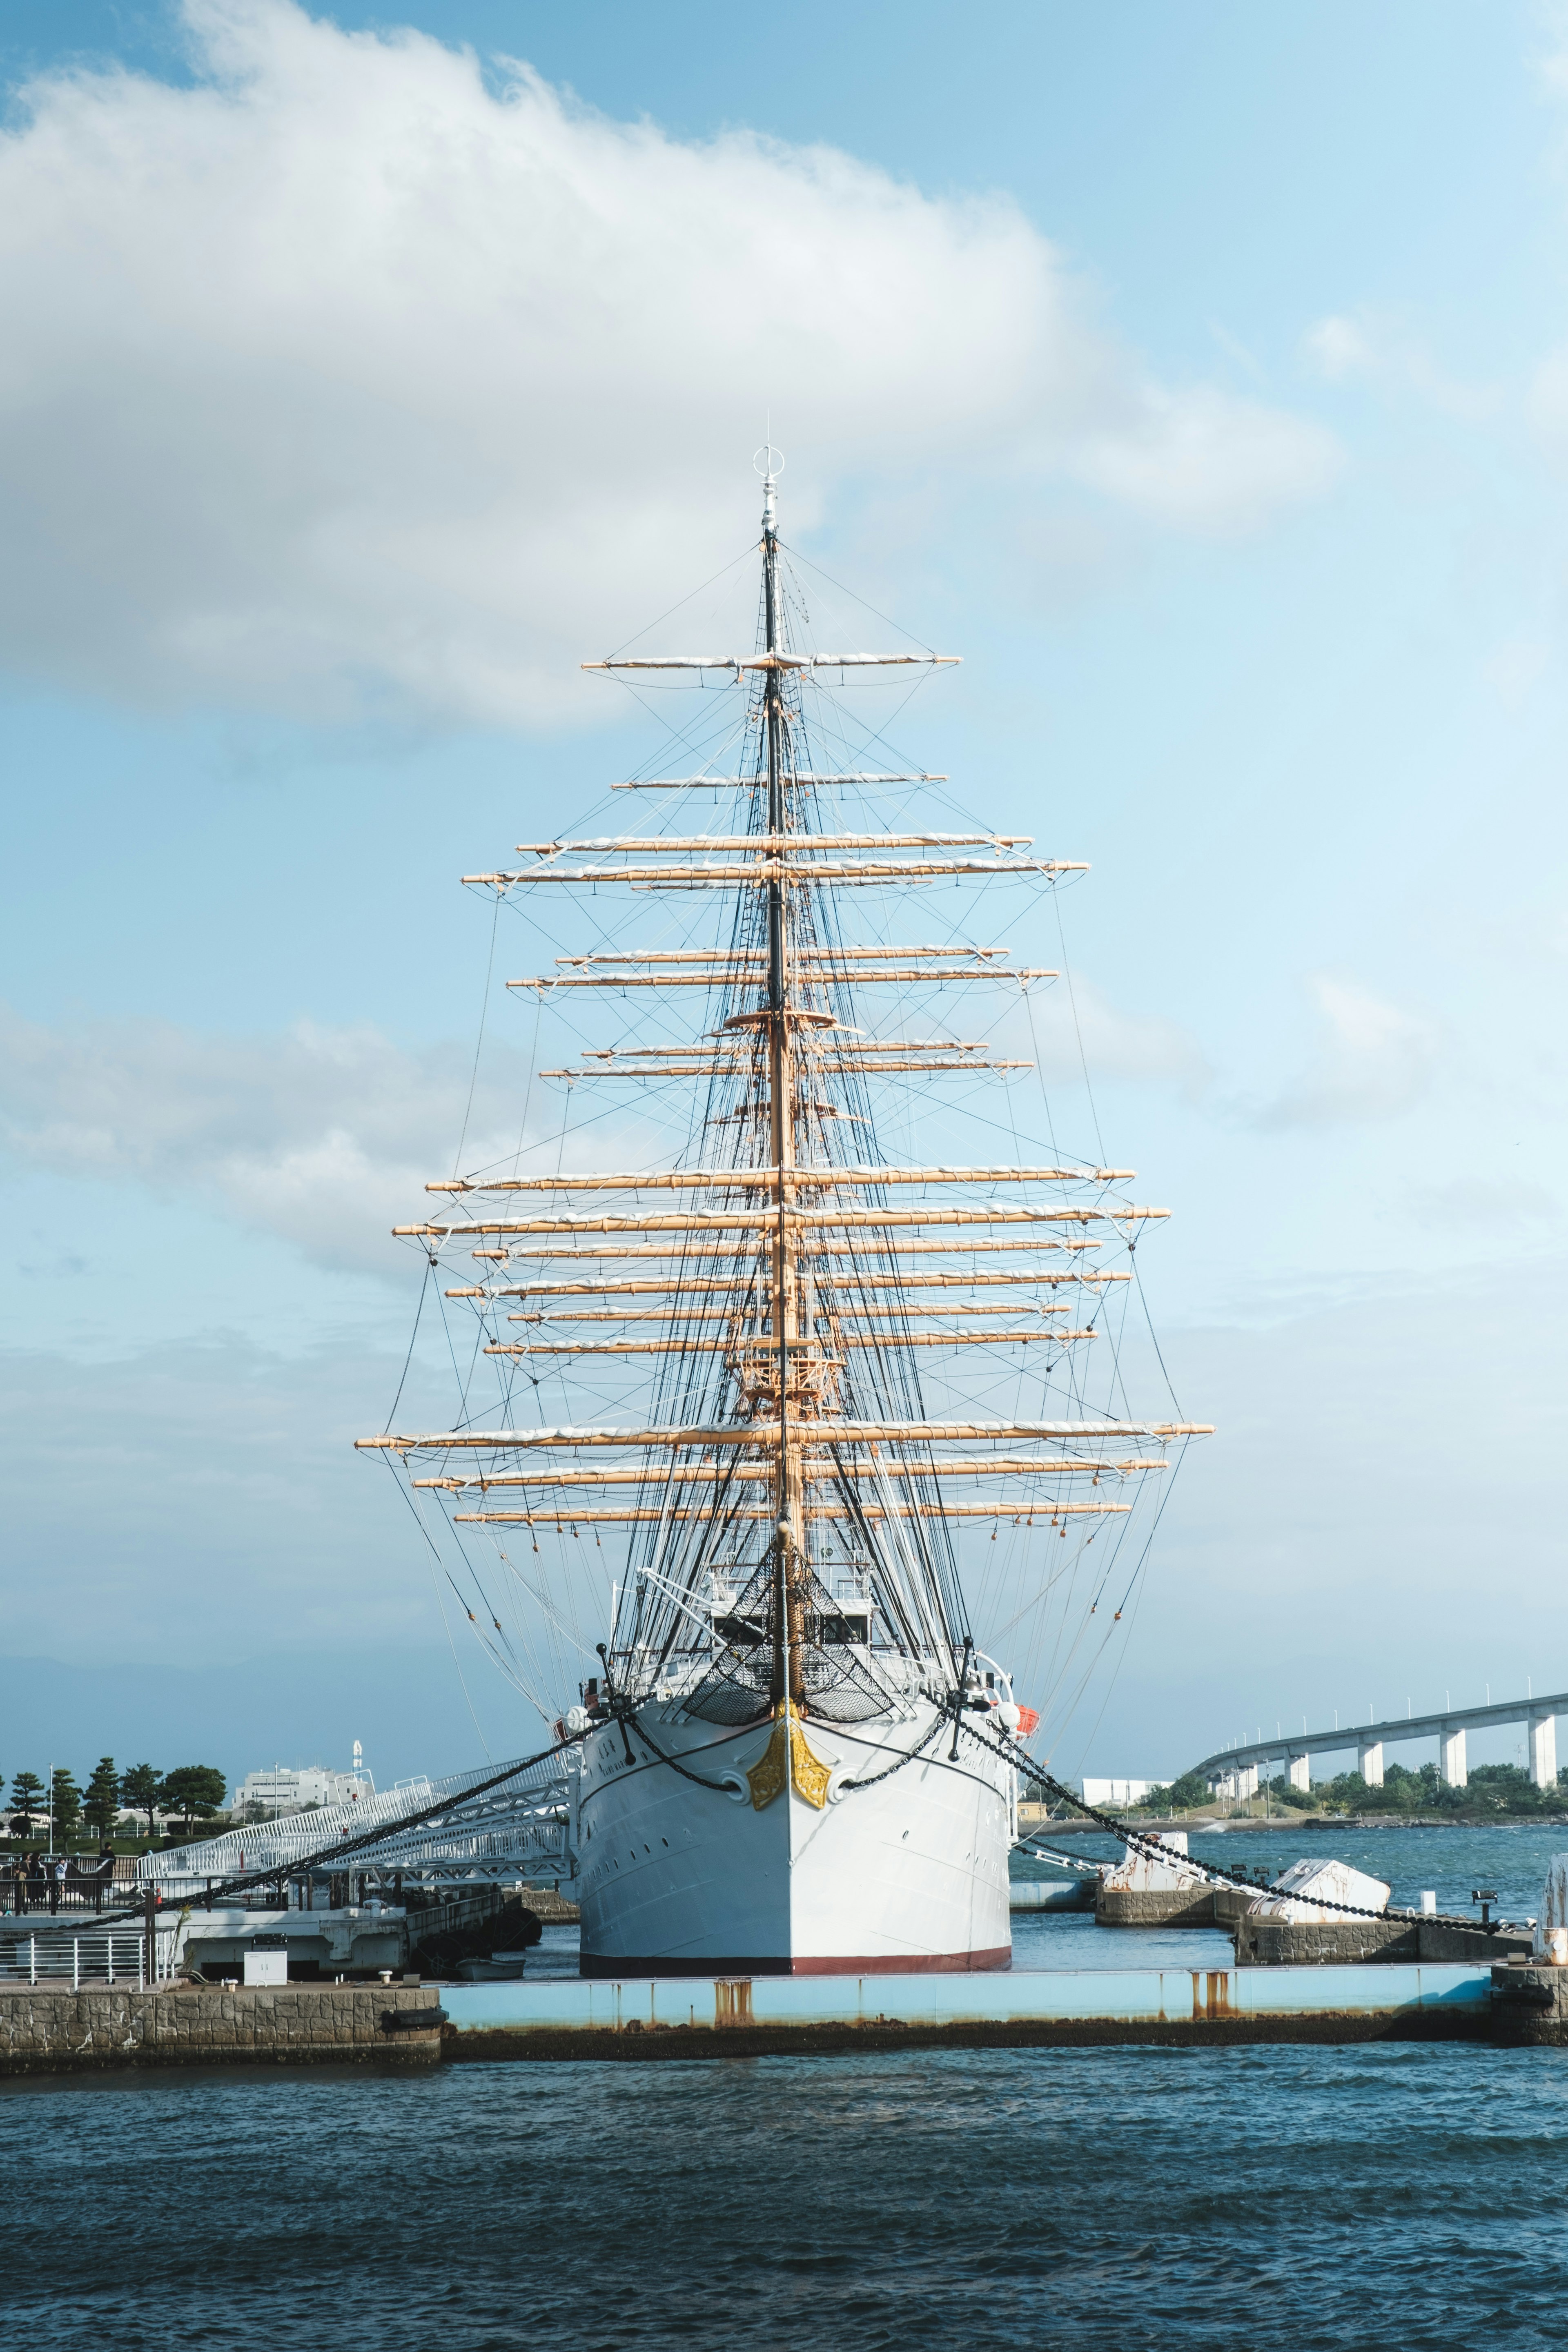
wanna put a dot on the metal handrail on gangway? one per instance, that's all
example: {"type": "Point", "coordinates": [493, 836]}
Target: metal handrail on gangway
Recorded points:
{"type": "Point", "coordinates": [519, 1826]}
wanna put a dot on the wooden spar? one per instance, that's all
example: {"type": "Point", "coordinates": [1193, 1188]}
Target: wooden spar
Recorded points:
{"type": "Point", "coordinates": [635, 1515]}
{"type": "Point", "coordinates": [751, 784]}
{"type": "Point", "coordinates": [840, 1306]}
{"type": "Point", "coordinates": [716, 1221]}
{"type": "Point", "coordinates": [896, 1244]}
{"type": "Point", "coordinates": [779, 661]}
{"type": "Point", "coordinates": [766, 1432]}
{"type": "Point", "coordinates": [768, 845]}
{"type": "Point", "coordinates": [757, 1180]}
{"type": "Point", "coordinates": [765, 1343]}
{"type": "Point", "coordinates": [828, 1043]}
{"type": "Point", "coordinates": [655, 1285]}
{"type": "Point", "coordinates": [801, 868]}
{"type": "Point", "coordinates": [719, 1069]}
{"type": "Point", "coordinates": [716, 976]}
{"type": "Point", "coordinates": [748, 959]}
{"type": "Point", "coordinates": [736, 1057]}
{"type": "Point", "coordinates": [815, 1469]}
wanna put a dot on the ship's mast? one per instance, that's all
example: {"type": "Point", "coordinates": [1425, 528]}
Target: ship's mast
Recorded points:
{"type": "Point", "coordinates": [788, 1542]}
{"type": "Point", "coordinates": [789, 1420]}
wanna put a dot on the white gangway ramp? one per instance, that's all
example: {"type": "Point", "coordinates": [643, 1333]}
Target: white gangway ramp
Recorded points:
{"type": "Point", "coordinates": [521, 1828]}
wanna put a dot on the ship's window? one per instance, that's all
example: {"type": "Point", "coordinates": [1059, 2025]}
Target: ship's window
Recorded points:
{"type": "Point", "coordinates": [741, 1631]}
{"type": "Point", "coordinates": [845, 1627]}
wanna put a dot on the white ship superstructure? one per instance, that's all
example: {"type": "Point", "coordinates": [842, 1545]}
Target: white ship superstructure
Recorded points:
{"type": "Point", "coordinates": [784, 1766]}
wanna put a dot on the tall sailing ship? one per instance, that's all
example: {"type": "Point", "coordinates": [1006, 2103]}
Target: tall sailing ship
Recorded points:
{"type": "Point", "coordinates": [793, 1756]}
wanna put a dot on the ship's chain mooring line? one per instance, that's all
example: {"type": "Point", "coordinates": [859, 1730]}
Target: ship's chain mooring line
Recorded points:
{"type": "Point", "coordinates": [908, 1758]}
{"type": "Point", "coordinates": [724, 1789]}
{"type": "Point", "coordinates": [1022, 1762]}
{"type": "Point", "coordinates": [346, 1846]}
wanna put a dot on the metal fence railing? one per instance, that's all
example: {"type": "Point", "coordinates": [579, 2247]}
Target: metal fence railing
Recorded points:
{"type": "Point", "coordinates": [85, 1887]}
{"type": "Point", "coordinates": [104, 1955]}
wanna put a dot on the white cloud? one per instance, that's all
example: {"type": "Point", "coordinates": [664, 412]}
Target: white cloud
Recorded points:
{"type": "Point", "coordinates": [1514, 668]}
{"type": "Point", "coordinates": [1548, 404]}
{"type": "Point", "coordinates": [323, 1137]}
{"type": "Point", "coordinates": [1383, 348]}
{"type": "Point", "coordinates": [1064, 1031]}
{"type": "Point", "coordinates": [344, 376]}
{"type": "Point", "coordinates": [1375, 1062]}
{"type": "Point", "coordinates": [1339, 348]}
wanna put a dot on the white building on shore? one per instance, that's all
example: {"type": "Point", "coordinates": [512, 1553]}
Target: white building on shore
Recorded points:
{"type": "Point", "coordinates": [279, 1789]}
{"type": "Point", "coordinates": [1117, 1792]}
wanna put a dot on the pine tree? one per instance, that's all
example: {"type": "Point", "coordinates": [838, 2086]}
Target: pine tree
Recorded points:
{"type": "Point", "coordinates": [140, 1788]}
{"type": "Point", "coordinates": [64, 1807]}
{"type": "Point", "coordinates": [100, 1806]}
{"type": "Point", "coordinates": [26, 1799]}
{"type": "Point", "coordinates": [193, 1789]}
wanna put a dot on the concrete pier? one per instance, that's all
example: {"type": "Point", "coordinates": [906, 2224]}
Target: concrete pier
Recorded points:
{"type": "Point", "coordinates": [1452, 1768]}
{"type": "Point", "coordinates": [104, 2026]}
{"type": "Point", "coordinates": [674, 2017]}
{"type": "Point", "coordinates": [1542, 1732]}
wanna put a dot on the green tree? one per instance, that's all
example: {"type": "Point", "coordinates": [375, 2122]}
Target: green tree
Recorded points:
{"type": "Point", "coordinates": [140, 1788]}
{"type": "Point", "coordinates": [1183, 1796]}
{"type": "Point", "coordinates": [100, 1806]}
{"type": "Point", "coordinates": [192, 1789]}
{"type": "Point", "coordinates": [1300, 1799]}
{"type": "Point", "coordinates": [65, 1807]}
{"type": "Point", "coordinates": [26, 1799]}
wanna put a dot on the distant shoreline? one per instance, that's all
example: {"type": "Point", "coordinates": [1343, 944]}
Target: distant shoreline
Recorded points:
{"type": "Point", "coordinates": [1209, 1824]}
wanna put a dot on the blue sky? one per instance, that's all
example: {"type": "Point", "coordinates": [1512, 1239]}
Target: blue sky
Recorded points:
{"type": "Point", "coordinates": [1198, 375]}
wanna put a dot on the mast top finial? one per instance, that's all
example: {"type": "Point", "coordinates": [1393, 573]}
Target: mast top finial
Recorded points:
{"type": "Point", "coordinates": [770, 463]}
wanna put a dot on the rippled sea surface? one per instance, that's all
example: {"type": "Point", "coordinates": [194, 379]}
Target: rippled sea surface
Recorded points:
{"type": "Point", "coordinates": [1388, 2196]}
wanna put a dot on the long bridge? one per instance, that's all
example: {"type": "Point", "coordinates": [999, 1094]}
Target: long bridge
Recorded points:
{"type": "Point", "coordinates": [1234, 1771]}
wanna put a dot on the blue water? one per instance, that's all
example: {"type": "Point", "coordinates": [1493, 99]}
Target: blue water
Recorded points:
{"type": "Point", "coordinates": [1388, 2197]}
{"type": "Point", "coordinates": [1383, 2197]}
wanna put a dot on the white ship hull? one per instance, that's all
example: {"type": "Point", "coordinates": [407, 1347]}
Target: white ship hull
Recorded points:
{"type": "Point", "coordinates": [909, 1874]}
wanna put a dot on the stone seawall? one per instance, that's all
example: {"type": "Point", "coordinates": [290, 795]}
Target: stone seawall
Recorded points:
{"type": "Point", "coordinates": [54, 2030]}
{"type": "Point", "coordinates": [1178, 1907]}
{"type": "Point", "coordinates": [1530, 2006]}
{"type": "Point", "coordinates": [1338, 1943]}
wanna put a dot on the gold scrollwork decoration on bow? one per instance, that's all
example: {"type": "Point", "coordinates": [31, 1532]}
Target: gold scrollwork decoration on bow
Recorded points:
{"type": "Point", "coordinates": [788, 1760]}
